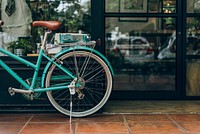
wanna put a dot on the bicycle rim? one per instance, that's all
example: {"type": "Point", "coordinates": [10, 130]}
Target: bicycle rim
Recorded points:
{"type": "Point", "coordinates": [94, 77]}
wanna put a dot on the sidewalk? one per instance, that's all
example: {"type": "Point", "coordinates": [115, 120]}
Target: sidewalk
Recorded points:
{"type": "Point", "coordinates": [109, 122]}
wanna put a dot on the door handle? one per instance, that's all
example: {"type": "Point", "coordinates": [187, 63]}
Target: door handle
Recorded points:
{"type": "Point", "coordinates": [98, 42]}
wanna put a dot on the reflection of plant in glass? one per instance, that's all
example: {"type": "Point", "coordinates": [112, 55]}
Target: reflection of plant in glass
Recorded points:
{"type": "Point", "coordinates": [133, 4]}
{"type": "Point", "coordinates": [70, 12]}
{"type": "Point", "coordinates": [193, 23]}
{"type": "Point", "coordinates": [73, 14]}
{"type": "Point", "coordinates": [169, 23]}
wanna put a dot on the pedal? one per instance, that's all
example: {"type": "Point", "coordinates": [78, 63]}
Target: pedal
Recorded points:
{"type": "Point", "coordinates": [31, 96]}
{"type": "Point", "coordinates": [11, 91]}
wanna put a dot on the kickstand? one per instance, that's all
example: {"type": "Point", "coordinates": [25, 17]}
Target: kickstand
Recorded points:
{"type": "Point", "coordinates": [70, 108]}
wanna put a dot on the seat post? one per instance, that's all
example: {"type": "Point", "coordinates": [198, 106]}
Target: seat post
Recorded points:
{"type": "Point", "coordinates": [45, 39]}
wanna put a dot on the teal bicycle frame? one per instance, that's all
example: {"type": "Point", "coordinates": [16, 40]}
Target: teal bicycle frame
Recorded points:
{"type": "Point", "coordinates": [51, 61]}
{"type": "Point", "coordinates": [36, 69]}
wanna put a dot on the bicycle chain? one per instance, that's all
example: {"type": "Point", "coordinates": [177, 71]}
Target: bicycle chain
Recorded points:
{"type": "Point", "coordinates": [44, 99]}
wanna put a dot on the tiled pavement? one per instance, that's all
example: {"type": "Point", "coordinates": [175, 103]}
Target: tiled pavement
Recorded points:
{"type": "Point", "coordinates": [110, 122]}
{"type": "Point", "coordinates": [100, 124]}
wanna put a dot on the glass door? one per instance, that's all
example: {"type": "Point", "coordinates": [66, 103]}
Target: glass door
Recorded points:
{"type": "Point", "coordinates": [143, 43]}
{"type": "Point", "coordinates": [192, 48]}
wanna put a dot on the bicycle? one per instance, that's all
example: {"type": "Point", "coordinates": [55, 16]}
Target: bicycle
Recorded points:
{"type": "Point", "coordinates": [78, 80]}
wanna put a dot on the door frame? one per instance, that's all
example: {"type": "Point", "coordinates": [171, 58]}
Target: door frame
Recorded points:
{"type": "Point", "coordinates": [97, 24]}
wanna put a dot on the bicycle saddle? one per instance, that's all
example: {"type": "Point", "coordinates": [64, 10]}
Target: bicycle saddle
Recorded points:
{"type": "Point", "coordinates": [51, 25]}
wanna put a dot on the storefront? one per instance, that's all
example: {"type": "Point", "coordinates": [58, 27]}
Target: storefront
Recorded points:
{"type": "Point", "coordinates": [153, 45]}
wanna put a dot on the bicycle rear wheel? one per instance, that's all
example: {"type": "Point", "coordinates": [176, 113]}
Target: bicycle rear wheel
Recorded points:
{"type": "Point", "coordinates": [92, 74]}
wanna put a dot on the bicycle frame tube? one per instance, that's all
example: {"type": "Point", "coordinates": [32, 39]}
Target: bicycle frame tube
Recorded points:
{"type": "Point", "coordinates": [11, 72]}
{"type": "Point", "coordinates": [60, 66]}
{"type": "Point", "coordinates": [36, 68]}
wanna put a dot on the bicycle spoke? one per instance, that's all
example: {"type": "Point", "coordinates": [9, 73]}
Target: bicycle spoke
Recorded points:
{"type": "Point", "coordinates": [93, 76]}
{"type": "Point", "coordinates": [85, 65]}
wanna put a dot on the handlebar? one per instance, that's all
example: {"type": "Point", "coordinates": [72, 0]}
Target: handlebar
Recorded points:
{"type": "Point", "coordinates": [1, 23]}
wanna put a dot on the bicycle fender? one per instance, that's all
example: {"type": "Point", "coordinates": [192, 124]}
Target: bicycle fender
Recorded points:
{"type": "Point", "coordinates": [72, 49]}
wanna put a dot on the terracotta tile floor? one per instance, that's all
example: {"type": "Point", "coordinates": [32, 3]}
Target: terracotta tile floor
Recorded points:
{"type": "Point", "coordinates": [113, 120]}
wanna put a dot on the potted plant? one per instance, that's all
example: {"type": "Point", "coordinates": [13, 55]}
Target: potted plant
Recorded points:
{"type": "Point", "coordinates": [20, 47]}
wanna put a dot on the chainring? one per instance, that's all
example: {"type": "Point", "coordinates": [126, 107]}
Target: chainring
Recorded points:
{"type": "Point", "coordinates": [34, 95]}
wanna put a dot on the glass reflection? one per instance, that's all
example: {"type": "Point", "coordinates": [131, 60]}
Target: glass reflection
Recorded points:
{"type": "Point", "coordinates": [193, 40]}
{"type": "Point", "coordinates": [169, 6]}
{"type": "Point", "coordinates": [193, 6]}
{"type": "Point", "coordinates": [141, 6]}
{"type": "Point", "coordinates": [193, 77]}
{"type": "Point", "coordinates": [193, 50]}
{"type": "Point", "coordinates": [143, 54]}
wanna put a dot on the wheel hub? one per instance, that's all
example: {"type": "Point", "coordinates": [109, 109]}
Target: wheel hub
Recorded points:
{"type": "Point", "coordinates": [81, 82]}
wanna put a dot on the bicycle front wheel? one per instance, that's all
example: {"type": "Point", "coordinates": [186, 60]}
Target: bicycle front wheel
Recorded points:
{"type": "Point", "coordinates": [93, 76]}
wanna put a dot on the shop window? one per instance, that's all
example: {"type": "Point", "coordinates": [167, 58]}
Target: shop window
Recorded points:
{"type": "Point", "coordinates": [143, 53]}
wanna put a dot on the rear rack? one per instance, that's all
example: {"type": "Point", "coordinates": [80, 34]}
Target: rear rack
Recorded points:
{"type": "Point", "coordinates": [56, 48]}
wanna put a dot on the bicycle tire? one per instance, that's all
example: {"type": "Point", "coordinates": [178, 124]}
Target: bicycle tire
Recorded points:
{"type": "Point", "coordinates": [96, 80]}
